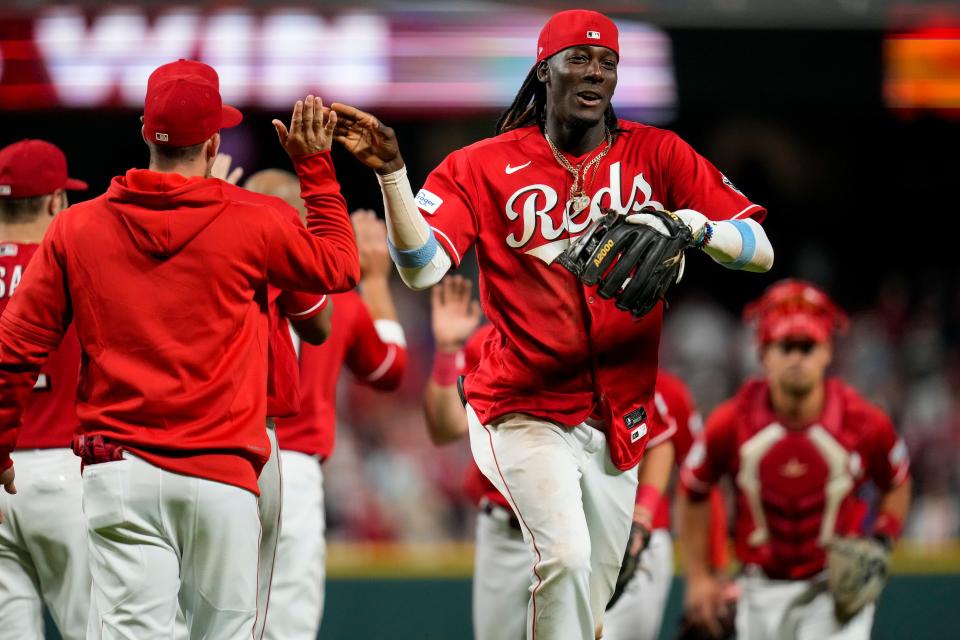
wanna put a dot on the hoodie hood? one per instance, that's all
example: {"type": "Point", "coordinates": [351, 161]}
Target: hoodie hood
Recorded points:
{"type": "Point", "coordinates": [165, 211]}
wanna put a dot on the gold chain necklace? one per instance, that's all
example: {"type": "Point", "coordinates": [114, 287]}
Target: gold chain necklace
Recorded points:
{"type": "Point", "coordinates": [578, 199]}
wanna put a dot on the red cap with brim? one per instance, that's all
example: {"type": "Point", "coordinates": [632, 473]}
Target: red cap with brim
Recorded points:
{"type": "Point", "coordinates": [183, 106]}
{"type": "Point", "coordinates": [577, 28]}
{"type": "Point", "coordinates": [777, 327]}
{"type": "Point", "coordinates": [34, 168]}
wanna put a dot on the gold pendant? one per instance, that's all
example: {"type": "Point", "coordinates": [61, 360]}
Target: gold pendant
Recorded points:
{"type": "Point", "coordinates": [579, 203]}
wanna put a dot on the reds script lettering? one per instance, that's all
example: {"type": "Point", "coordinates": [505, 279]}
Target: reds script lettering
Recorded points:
{"type": "Point", "coordinates": [537, 204]}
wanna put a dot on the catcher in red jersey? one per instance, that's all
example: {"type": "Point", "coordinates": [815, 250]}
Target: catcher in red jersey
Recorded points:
{"type": "Point", "coordinates": [43, 539]}
{"type": "Point", "coordinates": [365, 336]}
{"type": "Point", "coordinates": [798, 445]}
{"type": "Point", "coordinates": [165, 278]}
{"type": "Point", "coordinates": [562, 352]}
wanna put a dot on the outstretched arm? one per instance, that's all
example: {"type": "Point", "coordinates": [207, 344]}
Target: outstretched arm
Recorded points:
{"type": "Point", "coordinates": [735, 244]}
{"type": "Point", "coordinates": [413, 246]}
{"type": "Point", "coordinates": [455, 317]}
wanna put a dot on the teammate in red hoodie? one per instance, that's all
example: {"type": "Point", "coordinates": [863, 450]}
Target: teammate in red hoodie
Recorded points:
{"type": "Point", "coordinates": [165, 279]}
{"type": "Point", "coordinates": [43, 542]}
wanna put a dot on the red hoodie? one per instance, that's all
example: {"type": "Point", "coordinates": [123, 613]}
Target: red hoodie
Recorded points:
{"type": "Point", "coordinates": [165, 279]}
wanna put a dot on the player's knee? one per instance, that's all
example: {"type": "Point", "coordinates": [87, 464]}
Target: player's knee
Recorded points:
{"type": "Point", "coordinates": [570, 558]}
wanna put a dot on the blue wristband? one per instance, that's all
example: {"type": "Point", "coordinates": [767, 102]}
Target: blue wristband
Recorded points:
{"type": "Point", "coordinates": [414, 258]}
{"type": "Point", "coordinates": [748, 245]}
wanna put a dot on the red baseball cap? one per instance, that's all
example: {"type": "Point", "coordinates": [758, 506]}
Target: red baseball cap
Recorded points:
{"type": "Point", "coordinates": [183, 106]}
{"type": "Point", "coordinates": [34, 168]}
{"type": "Point", "coordinates": [795, 309]}
{"type": "Point", "coordinates": [577, 27]}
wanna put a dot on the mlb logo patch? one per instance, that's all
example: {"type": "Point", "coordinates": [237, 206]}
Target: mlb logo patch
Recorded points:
{"type": "Point", "coordinates": [638, 433]}
{"type": "Point", "coordinates": [593, 35]}
{"type": "Point", "coordinates": [5, 190]}
{"type": "Point", "coordinates": [7, 250]}
{"type": "Point", "coordinates": [163, 137]}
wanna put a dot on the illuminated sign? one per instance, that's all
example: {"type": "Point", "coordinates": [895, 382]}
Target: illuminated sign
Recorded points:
{"type": "Point", "coordinates": [396, 60]}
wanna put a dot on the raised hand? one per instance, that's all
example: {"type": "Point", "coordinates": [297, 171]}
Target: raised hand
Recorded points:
{"type": "Point", "coordinates": [221, 169]}
{"type": "Point", "coordinates": [455, 315]}
{"type": "Point", "coordinates": [311, 128]}
{"type": "Point", "coordinates": [371, 234]}
{"type": "Point", "coordinates": [369, 140]}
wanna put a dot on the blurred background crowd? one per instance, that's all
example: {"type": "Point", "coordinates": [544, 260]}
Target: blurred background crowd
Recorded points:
{"type": "Point", "coordinates": [840, 116]}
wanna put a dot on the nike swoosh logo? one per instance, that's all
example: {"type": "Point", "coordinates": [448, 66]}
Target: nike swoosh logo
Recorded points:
{"type": "Point", "coordinates": [510, 169]}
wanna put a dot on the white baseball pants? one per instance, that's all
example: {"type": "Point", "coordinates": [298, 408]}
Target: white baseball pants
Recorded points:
{"type": "Point", "coordinates": [158, 538]}
{"type": "Point", "coordinates": [43, 547]}
{"type": "Point", "coordinates": [501, 578]}
{"type": "Point", "coordinates": [296, 598]}
{"type": "Point", "coordinates": [575, 510]}
{"type": "Point", "coordinates": [761, 609]}
{"type": "Point", "coordinates": [638, 613]}
{"type": "Point", "coordinates": [270, 483]}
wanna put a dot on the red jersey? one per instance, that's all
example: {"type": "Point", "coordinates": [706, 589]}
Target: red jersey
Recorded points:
{"type": "Point", "coordinates": [283, 379]}
{"type": "Point", "coordinates": [795, 487]}
{"type": "Point", "coordinates": [165, 279]}
{"type": "Point", "coordinates": [49, 418]}
{"type": "Point", "coordinates": [353, 341]}
{"type": "Point", "coordinates": [561, 348]}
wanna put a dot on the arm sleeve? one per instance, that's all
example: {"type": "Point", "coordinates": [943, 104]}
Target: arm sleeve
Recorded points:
{"type": "Point", "coordinates": [887, 459]}
{"type": "Point", "coordinates": [374, 361]}
{"type": "Point", "coordinates": [32, 325]}
{"type": "Point", "coordinates": [709, 456]}
{"type": "Point", "coordinates": [694, 183]}
{"type": "Point", "coordinates": [297, 305]}
{"type": "Point", "coordinates": [324, 260]}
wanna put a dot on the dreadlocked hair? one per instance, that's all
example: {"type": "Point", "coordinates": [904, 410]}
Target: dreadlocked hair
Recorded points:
{"type": "Point", "coordinates": [530, 107]}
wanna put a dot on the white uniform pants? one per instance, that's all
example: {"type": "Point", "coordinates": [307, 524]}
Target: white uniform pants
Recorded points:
{"type": "Point", "coordinates": [638, 613]}
{"type": "Point", "coordinates": [157, 537]}
{"type": "Point", "coordinates": [296, 598]}
{"type": "Point", "coordinates": [764, 601]}
{"type": "Point", "coordinates": [501, 578]}
{"type": "Point", "coordinates": [43, 547]}
{"type": "Point", "coordinates": [575, 509]}
{"type": "Point", "coordinates": [270, 483]}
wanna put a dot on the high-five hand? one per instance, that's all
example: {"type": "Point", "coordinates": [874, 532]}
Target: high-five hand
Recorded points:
{"type": "Point", "coordinates": [6, 479]}
{"type": "Point", "coordinates": [455, 314]}
{"type": "Point", "coordinates": [369, 140]}
{"type": "Point", "coordinates": [311, 128]}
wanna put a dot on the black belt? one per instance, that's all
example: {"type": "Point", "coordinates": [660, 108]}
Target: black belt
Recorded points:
{"type": "Point", "coordinates": [501, 514]}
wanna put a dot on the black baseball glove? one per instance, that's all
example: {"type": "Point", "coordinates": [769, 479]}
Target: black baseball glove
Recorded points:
{"type": "Point", "coordinates": [633, 262]}
{"type": "Point", "coordinates": [630, 560]}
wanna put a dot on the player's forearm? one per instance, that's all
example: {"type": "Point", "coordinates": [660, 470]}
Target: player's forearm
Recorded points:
{"type": "Point", "coordinates": [445, 415]}
{"type": "Point", "coordinates": [420, 261]}
{"type": "Point", "coordinates": [893, 510]}
{"type": "Point", "coordinates": [375, 292]}
{"type": "Point", "coordinates": [656, 467]}
{"type": "Point", "coordinates": [735, 244]}
{"type": "Point", "coordinates": [695, 536]}
{"type": "Point", "coordinates": [328, 222]}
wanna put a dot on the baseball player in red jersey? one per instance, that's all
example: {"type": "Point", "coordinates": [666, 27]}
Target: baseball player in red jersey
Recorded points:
{"type": "Point", "coordinates": [43, 541]}
{"type": "Point", "coordinates": [294, 316]}
{"type": "Point", "coordinates": [366, 336]}
{"type": "Point", "coordinates": [561, 352]}
{"type": "Point", "coordinates": [798, 445]}
{"type": "Point", "coordinates": [500, 584]}
{"type": "Point", "coordinates": [165, 279]}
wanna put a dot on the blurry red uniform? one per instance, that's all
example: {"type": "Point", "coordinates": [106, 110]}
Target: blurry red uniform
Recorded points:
{"type": "Point", "coordinates": [795, 488]}
{"type": "Point", "coordinates": [353, 341]}
{"type": "Point", "coordinates": [560, 348]}
{"type": "Point", "coordinates": [49, 418]}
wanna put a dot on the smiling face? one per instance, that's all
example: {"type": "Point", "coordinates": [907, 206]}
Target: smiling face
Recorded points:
{"type": "Point", "coordinates": [580, 82]}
